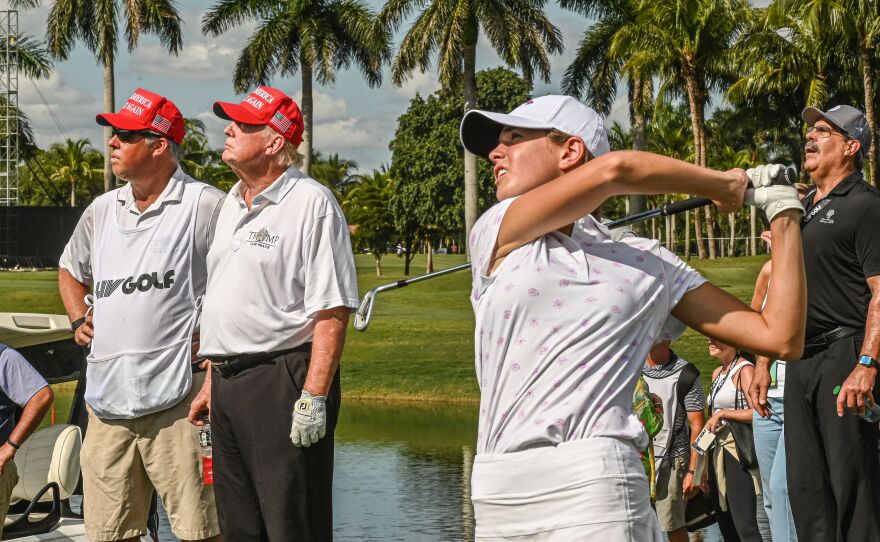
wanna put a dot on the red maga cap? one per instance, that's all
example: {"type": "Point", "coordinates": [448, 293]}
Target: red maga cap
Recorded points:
{"type": "Point", "coordinates": [147, 111]}
{"type": "Point", "coordinates": [269, 107]}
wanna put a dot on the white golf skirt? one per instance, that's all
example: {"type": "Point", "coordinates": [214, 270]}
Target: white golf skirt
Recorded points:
{"type": "Point", "coordinates": [590, 489]}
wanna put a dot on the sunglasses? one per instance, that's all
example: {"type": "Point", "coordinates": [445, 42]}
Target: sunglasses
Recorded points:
{"type": "Point", "coordinates": [128, 136]}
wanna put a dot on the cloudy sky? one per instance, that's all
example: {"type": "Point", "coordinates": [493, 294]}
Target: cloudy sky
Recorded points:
{"type": "Point", "coordinates": [351, 118]}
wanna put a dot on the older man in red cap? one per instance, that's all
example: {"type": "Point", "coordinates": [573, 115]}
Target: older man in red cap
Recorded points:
{"type": "Point", "coordinates": [140, 250]}
{"type": "Point", "coordinates": [281, 283]}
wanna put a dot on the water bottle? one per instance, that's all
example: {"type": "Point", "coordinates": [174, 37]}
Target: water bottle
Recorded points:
{"type": "Point", "coordinates": [872, 413]}
{"type": "Point", "coordinates": [207, 452]}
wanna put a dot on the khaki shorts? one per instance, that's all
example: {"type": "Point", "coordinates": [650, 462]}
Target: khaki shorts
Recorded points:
{"type": "Point", "coordinates": [7, 482]}
{"type": "Point", "coordinates": [670, 503]}
{"type": "Point", "coordinates": [123, 460]}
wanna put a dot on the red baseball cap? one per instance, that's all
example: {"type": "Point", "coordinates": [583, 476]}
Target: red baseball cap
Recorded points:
{"type": "Point", "coordinates": [147, 111]}
{"type": "Point", "coordinates": [269, 107]}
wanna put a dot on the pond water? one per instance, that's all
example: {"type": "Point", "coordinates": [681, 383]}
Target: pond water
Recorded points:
{"type": "Point", "coordinates": [403, 473]}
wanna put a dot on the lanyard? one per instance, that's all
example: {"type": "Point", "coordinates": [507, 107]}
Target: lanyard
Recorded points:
{"type": "Point", "coordinates": [716, 389]}
{"type": "Point", "coordinates": [815, 210]}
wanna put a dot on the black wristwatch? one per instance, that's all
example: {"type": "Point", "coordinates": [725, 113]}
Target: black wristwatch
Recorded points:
{"type": "Point", "coordinates": [76, 323]}
{"type": "Point", "coordinates": [868, 361]}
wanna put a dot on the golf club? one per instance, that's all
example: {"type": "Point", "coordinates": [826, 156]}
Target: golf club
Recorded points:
{"type": "Point", "coordinates": [365, 310]}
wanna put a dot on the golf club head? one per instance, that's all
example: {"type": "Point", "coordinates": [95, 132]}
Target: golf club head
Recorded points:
{"type": "Point", "coordinates": [364, 311]}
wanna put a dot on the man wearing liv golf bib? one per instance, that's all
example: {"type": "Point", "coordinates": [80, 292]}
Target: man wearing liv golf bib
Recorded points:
{"type": "Point", "coordinates": [281, 283]}
{"type": "Point", "coordinates": [833, 466]}
{"type": "Point", "coordinates": [141, 249]}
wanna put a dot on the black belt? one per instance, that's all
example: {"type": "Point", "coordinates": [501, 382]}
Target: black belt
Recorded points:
{"type": "Point", "coordinates": [228, 366]}
{"type": "Point", "coordinates": [822, 341]}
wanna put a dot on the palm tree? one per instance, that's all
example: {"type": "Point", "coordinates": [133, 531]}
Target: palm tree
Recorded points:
{"type": "Point", "coordinates": [74, 163]}
{"type": "Point", "coordinates": [335, 173]}
{"type": "Point", "coordinates": [855, 26]}
{"type": "Point", "coordinates": [688, 44]}
{"type": "Point", "coordinates": [595, 72]}
{"type": "Point", "coordinates": [96, 24]}
{"type": "Point", "coordinates": [33, 61]}
{"type": "Point", "coordinates": [518, 30]}
{"type": "Point", "coordinates": [314, 37]}
{"type": "Point", "coordinates": [368, 206]}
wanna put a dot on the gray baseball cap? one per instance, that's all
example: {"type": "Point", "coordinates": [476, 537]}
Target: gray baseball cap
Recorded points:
{"type": "Point", "coordinates": [848, 120]}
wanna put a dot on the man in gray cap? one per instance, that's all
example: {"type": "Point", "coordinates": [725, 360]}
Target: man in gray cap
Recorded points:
{"type": "Point", "coordinates": [834, 467]}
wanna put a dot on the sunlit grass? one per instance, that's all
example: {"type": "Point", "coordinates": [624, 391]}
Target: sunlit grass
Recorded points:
{"type": "Point", "coordinates": [420, 341]}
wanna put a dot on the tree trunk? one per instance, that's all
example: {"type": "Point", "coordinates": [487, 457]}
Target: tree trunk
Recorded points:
{"type": "Point", "coordinates": [639, 114]}
{"type": "Point", "coordinates": [471, 192]}
{"type": "Point", "coordinates": [378, 264]}
{"type": "Point", "coordinates": [732, 218]}
{"type": "Point", "coordinates": [109, 107]}
{"type": "Point", "coordinates": [429, 264]}
{"type": "Point", "coordinates": [674, 233]}
{"type": "Point", "coordinates": [687, 236]}
{"type": "Point", "coordinates": [307, 111]}
{"type": "Point", "coordinates": [753, 231]}
{"type": "Point", "coordinates": [696, 127]}
{"type": "Point", "coordinates": [73, 191]}
{"type": "Point", "coordinates": [868, 78]}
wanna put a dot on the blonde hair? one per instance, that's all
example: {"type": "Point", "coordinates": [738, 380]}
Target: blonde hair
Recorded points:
{"type": "Point", "coordinates": [289, 155]}
{"type": "Point", "coordinates": [559, 137]}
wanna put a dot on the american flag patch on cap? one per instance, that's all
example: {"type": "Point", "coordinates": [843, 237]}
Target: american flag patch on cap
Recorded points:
{"type": "Point", "coordinates": [280, 122]}
{"type": "Point", "coordinates": [161, 124]}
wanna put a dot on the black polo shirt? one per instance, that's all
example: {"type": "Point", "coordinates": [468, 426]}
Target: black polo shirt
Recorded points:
{"type": "Point", "coordinates": [841, 250]}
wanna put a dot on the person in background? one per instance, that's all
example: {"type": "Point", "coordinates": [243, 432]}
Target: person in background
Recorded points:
{"type": "Point", "coordinates": [21, 387]}
{"type": "Point", "coordinates": [766, 394]}
{"type": "Point", "coordinates": [677, 382]}
{"type": "Point", "coordinates": [733, 487]}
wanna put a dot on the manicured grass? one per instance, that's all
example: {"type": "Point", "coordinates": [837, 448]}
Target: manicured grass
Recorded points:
{"type": "Point", "coordinates": [420, 341]}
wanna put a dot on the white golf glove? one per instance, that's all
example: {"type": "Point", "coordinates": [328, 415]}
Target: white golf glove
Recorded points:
{"type": "Point", "coordinates": [309, 420]}
{"type": "Point", "coordinates": [771, 198]}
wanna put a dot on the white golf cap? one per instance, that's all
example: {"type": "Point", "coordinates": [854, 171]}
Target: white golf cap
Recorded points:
{"type": "Point", "coordinates": [480, 129]}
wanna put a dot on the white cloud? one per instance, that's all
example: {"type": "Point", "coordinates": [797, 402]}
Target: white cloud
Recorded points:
{"type": "Point", "coordinates": [214, 126]}
{"type": "Point", "coordinates": [325, 107]}
{"type": "Point", "coordinates": [74, 109]}
{"type": "Point", "coordinates": [207, 61]}
{"type": "Point", "coordinates": [424, 83]}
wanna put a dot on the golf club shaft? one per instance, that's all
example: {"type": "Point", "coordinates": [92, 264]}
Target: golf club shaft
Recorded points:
{"type": "Point", "coordinates": [365, 310]}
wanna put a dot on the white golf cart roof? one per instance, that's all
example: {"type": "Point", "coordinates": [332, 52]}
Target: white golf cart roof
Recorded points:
{"type": "Point", "coordinates": [20, 329]}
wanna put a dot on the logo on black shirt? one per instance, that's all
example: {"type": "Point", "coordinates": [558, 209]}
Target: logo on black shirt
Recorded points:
{"type": "Point", "coordinates": [142, 283]}
{"type": "Point", "coordinates": [828, 217]}
{"type": "Point", "coordinates": [262, 238]}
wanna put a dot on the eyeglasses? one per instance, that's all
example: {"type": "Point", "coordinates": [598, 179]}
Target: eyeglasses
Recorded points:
{"type": "Point", "coordinates": [128, 136]}
{"type": "Point", "coordinates": [823, 132]}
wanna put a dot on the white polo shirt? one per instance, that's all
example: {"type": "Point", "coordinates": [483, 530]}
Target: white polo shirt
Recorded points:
{"type": "Point", "coordinates": [272, 267]}
{"type": "Point", "coordinates": [77, 256]}
{"type": "Point", "coordinates": [563, 327]}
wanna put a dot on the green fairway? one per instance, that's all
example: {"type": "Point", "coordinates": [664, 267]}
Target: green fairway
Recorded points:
{"type": "Point", "coordinates": [420, 341]}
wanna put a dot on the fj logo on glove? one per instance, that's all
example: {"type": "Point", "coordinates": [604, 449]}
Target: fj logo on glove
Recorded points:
{"type": "Point", "coordinates": [303, 407]}
{"type": "Point", "coordinates": [144, 282]}
{"type": "Point", "coordinates": [828, 217]}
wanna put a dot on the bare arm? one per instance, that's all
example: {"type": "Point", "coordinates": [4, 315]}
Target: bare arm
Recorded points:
{"type": "Point", "coordinates": [761, 285]}
{"type": "Point", "coordinates": [31, 416]}
{"type": "Point", "coordinates": [73, 293]}
{"type": "Point", "coordinates": [777, 331]}
{"type": "Point", "coordinates": [761, 381]}
{"type": "Point", "coordinates": [859, 385]}
{"type": "Point", "coordinates": [327, 347]}
{"type": "Point", "coordinates": [690, 487]}
{"type": "Point", "coordinates": [564, 200]}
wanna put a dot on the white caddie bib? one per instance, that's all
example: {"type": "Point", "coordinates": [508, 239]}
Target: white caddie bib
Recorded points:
{"type": "Point", "coordinates": [145, 309]}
